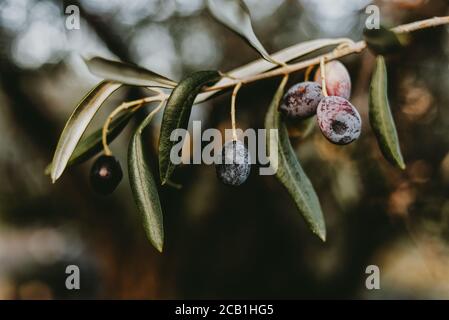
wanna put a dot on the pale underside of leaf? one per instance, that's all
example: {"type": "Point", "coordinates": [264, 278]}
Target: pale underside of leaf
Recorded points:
{"type": "Point", "coordinates": [290, 173]}
{"type": "Point", "coordinates": [144, 188]}
{"type": "Point", "coordinates": [127, 73]}
{"type": "Point", "coordinates": [235, 15]}
{"type": "Point", "coordinates": [177, 114]}
{"type": "Point", "coordinates": [77, 124]}
{"type": "Point", "coordinates": [381, 119]}
{"type": "Point", "coordinates": [259, 66]}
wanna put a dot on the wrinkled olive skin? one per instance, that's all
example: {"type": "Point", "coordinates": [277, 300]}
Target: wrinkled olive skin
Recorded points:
{"type": "Point", "coordinates": [301, 100]}
{"type": "Point", "coordinates": [339, 120]}
{"type": "Point", "coordinates": [105, 175]}
{"type": "Point", "coordinates": [235, 165]}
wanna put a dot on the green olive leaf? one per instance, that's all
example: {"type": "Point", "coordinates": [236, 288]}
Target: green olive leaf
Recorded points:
{"type": "Point", "coordinates": [289, 171]}
{"type": "Point", "coordinates": [77, 124]}
{"type": "Point", "coordinates": [380, 116]}
{"type": "Point", "coordinates": [144, 188]}
{"type": "Point", "coordinates": [235, 15]}
{"type": "Point", "coordinates": [261, 65]}
{"type": "Point", "coordinates": [302, 128]}
{"type": "Point", "coordinates": [92, 144]}
{"type": "Point", "coordinates": [127, 73]}
{"type": "Point", "coordinates": [177, 114]}
{"type": "Point", "coordinates": [382, 41]}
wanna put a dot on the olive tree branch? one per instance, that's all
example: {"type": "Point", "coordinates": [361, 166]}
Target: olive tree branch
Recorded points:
{"type": "Point", "coordinates": [345, 49]}
{"type": "Point", "coordinates": [339, 52]}
{"type": "Point", "coordinates": [423, 24]}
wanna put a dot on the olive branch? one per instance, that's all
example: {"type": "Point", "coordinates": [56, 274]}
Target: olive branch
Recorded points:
{"type": "Point", "coordinates": [178, 99]}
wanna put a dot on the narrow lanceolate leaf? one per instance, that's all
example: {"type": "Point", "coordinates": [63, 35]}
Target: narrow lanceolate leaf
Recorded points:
{"type": "Point", "coordinates": [261, 65]}
{"type": "Point", "coordinates": [381, 118]}
{"type": "Point", "coordinates": [144, 188]}
{"type": "Point", "coordinates": [77, 124]}
{"type": "Point", "coordinates": [301, 129]}
{"type": "Point", "coordinates": [289, 171]}
{"type": "Point", "coordinates": [127, 73]}
{"type": "Point", "coordinates": [92, 144]}
{"type": "Point", "coordinates": [177, 114]}
{"type": "Point", "coordinates": [235, 15]}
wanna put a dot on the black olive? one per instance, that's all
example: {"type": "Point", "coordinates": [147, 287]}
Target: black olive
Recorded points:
{"type": "Point", "coordinates": [235, 164]}
{"type": "Point", "coordinates": [301, 100]}
{"type": "Point", "coordinates": [105, 174]}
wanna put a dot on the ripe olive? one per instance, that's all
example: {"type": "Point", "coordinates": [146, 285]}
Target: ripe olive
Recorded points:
{"type": "Point", "coordinates": [105, 174]}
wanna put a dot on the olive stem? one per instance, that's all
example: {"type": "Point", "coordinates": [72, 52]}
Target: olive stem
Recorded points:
{"type": "Point", "coordinates": [418, 25]}
{"type": "Point", "coordinates": [233, 98]}
{"type": "Point", "coordinates": [308, 72]}
{"type": "Point", "coordinates": [337, 53]}
{"type": "Point", "coordinates": [284, 80]}
{"type": "Point", "coordinates": [159, 106]}
{"type": "Point", "coordinates": [323, 77]}
{"type": "Point", "coordinates": [125, 106]}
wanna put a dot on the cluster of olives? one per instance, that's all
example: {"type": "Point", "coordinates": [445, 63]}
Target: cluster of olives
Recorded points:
{"type": "Point", "coordinates": [337, 118]}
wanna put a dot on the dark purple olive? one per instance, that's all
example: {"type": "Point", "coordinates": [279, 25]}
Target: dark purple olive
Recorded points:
{"type": "Point", "coordinates": [105, 174]}
{"type": "Point", "coordinates": [301, 100]}
{"type": "Point", "coordinates": [338, 120]}
{"type": "Point", "coordinates": [235, 163]}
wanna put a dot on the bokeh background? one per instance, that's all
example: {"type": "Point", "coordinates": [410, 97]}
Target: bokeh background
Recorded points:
{"type": "Point", "coordinates": [220, 242]}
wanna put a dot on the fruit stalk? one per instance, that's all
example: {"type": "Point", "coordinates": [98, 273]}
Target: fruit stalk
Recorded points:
{"type": "Point", "coordinates": [323, 77]}
{"type": "Point", "coordinates": [233, 98]}
{"type": "Point", "coordinates": [125, 106]}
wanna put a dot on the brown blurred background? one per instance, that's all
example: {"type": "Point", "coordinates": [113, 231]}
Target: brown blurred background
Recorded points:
{"type": "Point", "coordinates": [220, 242]}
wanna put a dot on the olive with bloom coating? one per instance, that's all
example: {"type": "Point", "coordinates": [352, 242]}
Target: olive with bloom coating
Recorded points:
{"type": "Point", "coordinates": [301, 100]}
{"type": "Point", "coordinates": [235, 163]}
{"type": "Point", "coordinates": [338, 120]}
{"type": "Point", "coordinates": [338, 81]}
{"type": "Point", "coordinates": [105, 174]}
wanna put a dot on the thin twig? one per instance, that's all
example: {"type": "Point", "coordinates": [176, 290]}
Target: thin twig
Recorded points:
{"type": "Point", "coordinates": [323, 77]}
{"type": "Point", "coordinates": [125, 106]}
{"type": "Point", "coordinates": [284, 80]}
{"type": "Point", "coordinates": [337, 53]}
{"type": "Point", "coordinates": [234, 95]}
{"type": "Point", "coordinates": [423, 24]}
{"type": "Point", "coordinates": [159, 106]}
{"type": "Point", "coordinates": [308, 72]}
